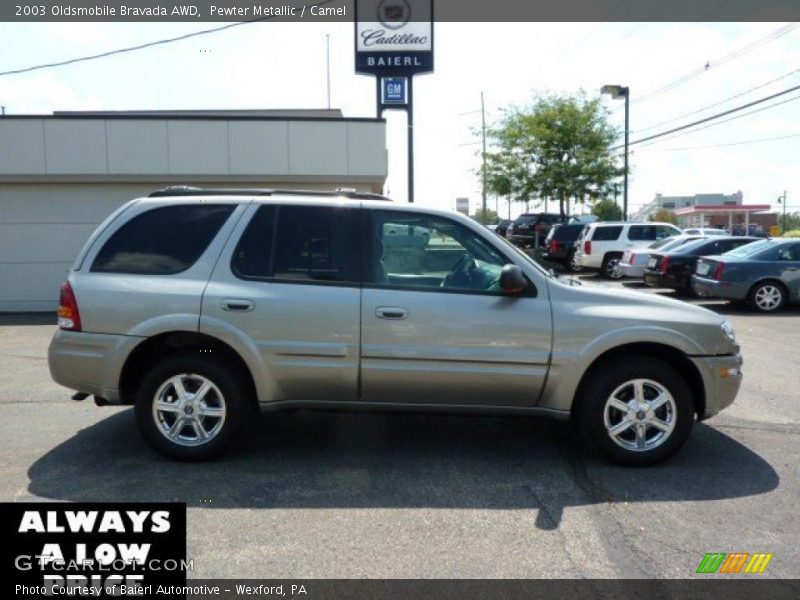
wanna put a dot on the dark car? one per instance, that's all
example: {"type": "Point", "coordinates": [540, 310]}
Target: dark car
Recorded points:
{"type": "Point", "coordinates": [502, 227]}
{"type": "Point", "coordinates": [559, 245]}
{"type": "Point", "coordinates": [528, 228]}
{"type": "Point", "coordinates": [766, 274]}
{"type": "Point", "coordinates": [674, 269]}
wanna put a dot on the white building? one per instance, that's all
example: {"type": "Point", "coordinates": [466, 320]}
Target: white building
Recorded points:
{"type": "Point", "coordinates": [672, 203]}
{"type": "Point", "coordinates": [62, 174]}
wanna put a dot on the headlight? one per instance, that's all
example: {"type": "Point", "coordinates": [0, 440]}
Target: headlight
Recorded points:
{"type": "Point", "coordinates": [727, 329]}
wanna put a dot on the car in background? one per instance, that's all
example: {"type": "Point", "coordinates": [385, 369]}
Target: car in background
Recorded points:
{"type": "Point", "coordinates": [674, 269]}
{"type": "Point", "coordinates": [559, 245]}
{"type": "Point", "coordinates": [765, 274]}
{"type": "Point", "coordinates": [635, 260]}
{"type": "Point", "coordinates": [705, 231]}
{"type": "Point", "coordinates": [502, 227]}
{"type": "Point", "coordinates": [584, 219]}
{"type": "Point", "coordinates": [601, 245]}
{"type": "Point", "coordinates": [528, 229]}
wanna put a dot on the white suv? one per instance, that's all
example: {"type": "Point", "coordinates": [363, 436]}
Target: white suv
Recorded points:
{"type": "Point", "coordinates": [601, 245]}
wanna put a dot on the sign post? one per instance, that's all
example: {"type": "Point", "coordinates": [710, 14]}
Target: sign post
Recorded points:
{"type": "Point", "coordinates": [394, 42]}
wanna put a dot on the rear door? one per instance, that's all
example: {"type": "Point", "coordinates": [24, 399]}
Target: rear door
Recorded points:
{"type": "Point", "coordinates": [435, 327]}
{"type": "Point", "coordinates": [789, 262]}
{"type": "Point", "coordinates": [287, 287]}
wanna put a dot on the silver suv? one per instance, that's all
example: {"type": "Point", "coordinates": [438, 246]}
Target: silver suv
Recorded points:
{"type": "Point", "coordinates": [199, 306]}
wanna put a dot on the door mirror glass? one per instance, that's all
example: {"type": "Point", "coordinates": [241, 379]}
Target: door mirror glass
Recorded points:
{"type": "Point", "coordinates": [513, 280]}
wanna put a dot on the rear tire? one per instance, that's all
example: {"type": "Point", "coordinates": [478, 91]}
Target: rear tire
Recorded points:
{"type": "Point", "coordinates": [609, 267]}
{"type": "Point", "coordinates": [191, 406]}
{"type": "Point", "coordinates": [637, 414]}
{"type": "Point", "coordinates": [767, 297]}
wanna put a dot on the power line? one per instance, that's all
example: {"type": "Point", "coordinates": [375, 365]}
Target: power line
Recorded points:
{"type": "Point", "coordinates": [179, 38]}
{"type": "Point", "coordinates": [739, 143]}
{"type": "Point", "coordinates": [709, 106]}
{"type": "Point", "coordinates": [719, 115]}
{"type": "Point", "coordinates": [778, 33]}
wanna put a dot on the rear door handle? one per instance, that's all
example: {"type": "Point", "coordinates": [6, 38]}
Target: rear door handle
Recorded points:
{"type": "Point", "coordinates": [238, 304]}
{"type": "Point", "coordinates": [391, 312]}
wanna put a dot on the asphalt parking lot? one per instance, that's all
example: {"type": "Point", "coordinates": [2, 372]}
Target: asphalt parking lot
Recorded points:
{"type": "Point", "coordinates": [392, 496]}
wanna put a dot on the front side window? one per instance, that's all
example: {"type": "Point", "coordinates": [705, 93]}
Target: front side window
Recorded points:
{"type": "Point", "coordinates": [414, 251]}
{"type": "Point", "coordinates": [299, 243]}
{"type": "Point", "coordinates": [790, 253]}
{"type": "Point", "coordinates": [162, 241]}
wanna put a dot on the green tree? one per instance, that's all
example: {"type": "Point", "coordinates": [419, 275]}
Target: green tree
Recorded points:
{"type": "Point", "coordinates": [662, 215]}
{"type": "Point", "coordinates": [607, 210]}
{"type": "Point", "coordinates": [490, 218]}
{"type": "Point", "coordinates": [559, 147]}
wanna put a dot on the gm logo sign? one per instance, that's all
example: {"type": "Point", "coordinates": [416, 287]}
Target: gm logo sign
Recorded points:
{"type": "Point", "coordinates": [736, 562]}
{"type": "Point", "coordinates": [394, 90]}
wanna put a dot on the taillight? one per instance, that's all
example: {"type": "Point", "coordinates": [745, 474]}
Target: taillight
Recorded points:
{"type": "Point", "coordinates": [587, 247]}
{"type": "Point", "coordinates": [553, 246]}
{"type": "Point", "coordinates": [68, 316]}
{"type": "Point", "coordinates": [632, 259]}
{"type": "Point", "coordinates": [664, 265]}
{"type": "Point", "coordinates": [719, 271]}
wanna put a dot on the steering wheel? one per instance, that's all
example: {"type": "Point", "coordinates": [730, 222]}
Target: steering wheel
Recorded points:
{"type": "Point", "coordinates": [461, 274]}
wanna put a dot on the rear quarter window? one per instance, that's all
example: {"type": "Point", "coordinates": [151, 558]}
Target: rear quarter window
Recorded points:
{"type": "Point", "coordinates": [607, 234]}
{"type": "Point", "coordinates": [162, 241]}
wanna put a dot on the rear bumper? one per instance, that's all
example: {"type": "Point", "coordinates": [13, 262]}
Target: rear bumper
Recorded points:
{"type": "Point", "coordinates": [722, 377]}
{"type": "Point", "coordinates": [90, 362]}
{"type": "Point", "coordinates": [628, 270]}
{"type": "Point", "coordinates": [589, 261]}
{"type": "Point", "coordinates": [718, 289]}
{"type": "Point", "coordinates": [676, 282]}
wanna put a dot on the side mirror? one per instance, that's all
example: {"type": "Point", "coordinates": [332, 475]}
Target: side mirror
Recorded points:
{"type": "Point", "coordinates": [513, 280]}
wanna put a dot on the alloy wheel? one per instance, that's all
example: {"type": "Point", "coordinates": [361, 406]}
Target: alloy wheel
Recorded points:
{"type": "Point", "coordinates": [640, 415]}
{"type": "Point", "coordinates": [189, 409]}
{"type": "Point", "coordinates": [768, 297]}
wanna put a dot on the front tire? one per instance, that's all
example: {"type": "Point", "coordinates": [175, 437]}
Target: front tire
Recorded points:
{"type": "Point", "coordinates": [638, 414]}
{"type": "Point", "coordinates": [191, 407]}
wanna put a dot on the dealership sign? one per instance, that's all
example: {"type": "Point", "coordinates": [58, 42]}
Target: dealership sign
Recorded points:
{"type": "Point", "coordinates": [394, 37]}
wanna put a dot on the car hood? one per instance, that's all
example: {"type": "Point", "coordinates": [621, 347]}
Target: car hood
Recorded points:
{"type": "Point", "coordinates": [595, 310]}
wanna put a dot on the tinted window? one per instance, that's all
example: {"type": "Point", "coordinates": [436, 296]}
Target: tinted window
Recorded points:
{"type": "Point", "coordinates": [790, 253]}
{"type": "Point", "coordinates": [409, 250]}
{"type": "Point", "coordinates": [303, 243]}
{"type": "Point", "coordinates": [607, 234]}
{"type": "Point", "coordinates": [753, 248]}
{"type": "Point", "coordinates": [526, 219]}
{"type": "Point", "coordinates": [642, 233]}
{"type": "Point", "coordinates": [567, 233]}
{"type": "Point", "coordinates": [162, 241]}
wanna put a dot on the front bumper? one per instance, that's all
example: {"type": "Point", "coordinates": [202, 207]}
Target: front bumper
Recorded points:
{"type": "Point", "coordinates": [659, 280]}
{"type": "Point", "coordinates": [722, 377]}
{"type": "Point", "coordinates": [90, 362]}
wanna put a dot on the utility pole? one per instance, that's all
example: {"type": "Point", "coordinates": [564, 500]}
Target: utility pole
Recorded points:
{"type": "Point", "coordinates": [2, 111]}
{"type": "Point", "coordinates": [782, 200]}
{"type": "Point", "coordinates": [616, 92]}
{"type": "Point", "coordinates": [483, 157]}
{"type": "Point", "coordinates": [328, 65]}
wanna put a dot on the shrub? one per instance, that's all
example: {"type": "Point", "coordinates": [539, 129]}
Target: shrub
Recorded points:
{"type": "Point", "coordinates": [794, 233]}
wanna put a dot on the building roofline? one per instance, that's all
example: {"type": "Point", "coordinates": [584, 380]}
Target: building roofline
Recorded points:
{"type": "Point", "coordinates": [176, 117]}
{"type": "Point", "coordinates": [731, 208]}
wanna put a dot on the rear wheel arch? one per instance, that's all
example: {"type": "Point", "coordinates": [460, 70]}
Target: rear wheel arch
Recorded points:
{"type": "Point", "coordinates": [670, 355]}
{"type": "Point", "coordinates": [149, 352]}
{"type": "Point", "coordinates": [771, 280]}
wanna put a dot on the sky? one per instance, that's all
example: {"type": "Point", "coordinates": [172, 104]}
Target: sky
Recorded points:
{"type": "Point", "coordinates": [282, 65]}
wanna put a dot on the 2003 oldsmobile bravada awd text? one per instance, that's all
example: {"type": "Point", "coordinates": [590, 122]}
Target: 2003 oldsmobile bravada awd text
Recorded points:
{"type": "Point", "coordinates": [197, 306]}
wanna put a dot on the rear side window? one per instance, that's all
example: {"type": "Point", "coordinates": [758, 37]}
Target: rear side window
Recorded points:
{"type": "Point", "coordinates": [607, 234]}
{"type": "Point", "coordinates": [567, 233]}
{"type": "Point", "coordinates": [162, 241]}
{"type": "Point", "coordinates": [299, 243]}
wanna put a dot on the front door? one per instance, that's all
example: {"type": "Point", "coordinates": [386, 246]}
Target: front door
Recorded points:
{"type": "Point", "coordinates": [436, 328]}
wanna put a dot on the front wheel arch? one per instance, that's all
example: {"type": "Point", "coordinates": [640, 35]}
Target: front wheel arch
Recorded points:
{"type": "Point", "coordinates": [674, 357]}
{"type": "Point", "coordinates": [776, 282]}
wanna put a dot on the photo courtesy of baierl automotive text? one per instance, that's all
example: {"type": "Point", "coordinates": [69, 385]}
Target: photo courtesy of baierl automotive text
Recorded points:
{"type": "Point", "coordinates": [382, 299]}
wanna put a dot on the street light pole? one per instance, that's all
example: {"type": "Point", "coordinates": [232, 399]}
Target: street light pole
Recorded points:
{"type": "Point", "coordinates": [782, 200]}
{"type": "Point", "coordinates": [616, 92]}
{"type": "Point", "coordinates": [627, 132]}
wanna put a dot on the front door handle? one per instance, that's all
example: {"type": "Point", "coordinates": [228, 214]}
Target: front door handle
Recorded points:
{"type": "Point", "coordinates": [391, 312]}
{"type": "Point", "coordinates": [238, 304]}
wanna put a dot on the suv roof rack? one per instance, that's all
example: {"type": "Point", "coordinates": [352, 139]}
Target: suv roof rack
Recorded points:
{"type": "Point", "coordinates": [186, 190]}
